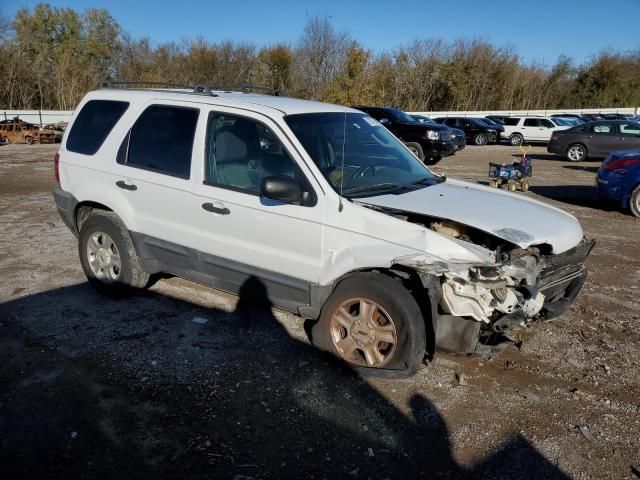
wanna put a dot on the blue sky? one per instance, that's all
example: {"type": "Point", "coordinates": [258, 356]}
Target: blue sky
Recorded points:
{"type": "Point", "coordinates": [539, 30]}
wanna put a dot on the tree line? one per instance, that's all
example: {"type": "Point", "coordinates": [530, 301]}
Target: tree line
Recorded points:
{"type": "Point", "coordinates": [50, 57]}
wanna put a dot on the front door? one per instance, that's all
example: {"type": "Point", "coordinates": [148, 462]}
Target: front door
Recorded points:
{"type": "Point", "coordinates": [242, 233]}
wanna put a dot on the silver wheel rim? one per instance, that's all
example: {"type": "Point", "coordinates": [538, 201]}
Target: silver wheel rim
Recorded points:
{"type": "Point", "coordinates": [363, 333]}
{"type": "Point", "coordinates": [414, 150]}
{"type": "Point", "coordinates": [515, 140]}
{"type": "Point", "coordinates": [481, 140]}
{"type": "Point", "coordinates": [103, 257]}
{"type": "Point", "coordinates": [576, 153]}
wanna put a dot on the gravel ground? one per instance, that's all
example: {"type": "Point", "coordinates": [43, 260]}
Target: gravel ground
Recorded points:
{"type": "Point", "coordinates": [188, 382]}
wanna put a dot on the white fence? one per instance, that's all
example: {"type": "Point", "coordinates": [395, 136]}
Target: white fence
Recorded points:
{"type": "Point", "coordinates": [39, 117]}
{"type": "Point", "coordinates": [544, 113]}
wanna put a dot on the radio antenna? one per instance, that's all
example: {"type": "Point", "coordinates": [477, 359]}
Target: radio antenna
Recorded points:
{"type": "Point", "coordinates": [344, 142]}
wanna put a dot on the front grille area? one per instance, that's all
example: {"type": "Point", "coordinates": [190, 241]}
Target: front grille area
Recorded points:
{"type": "Point", "coordinates": [559, 270]}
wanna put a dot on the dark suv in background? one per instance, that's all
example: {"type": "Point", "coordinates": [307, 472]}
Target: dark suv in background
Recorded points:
{"type": "Point", "coordinates": [459, 137]}
{"type": "Point", "coordinates": [428, 142]}
{"type": "Point", "coordinates": [477, 131]}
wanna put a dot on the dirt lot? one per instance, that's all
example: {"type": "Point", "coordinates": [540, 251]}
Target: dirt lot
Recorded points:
{"type": "Point", "coordinates": [99, 388]}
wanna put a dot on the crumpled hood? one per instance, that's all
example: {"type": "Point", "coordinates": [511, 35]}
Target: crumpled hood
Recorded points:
{"type": "Point", "coordinates": [512, 217]}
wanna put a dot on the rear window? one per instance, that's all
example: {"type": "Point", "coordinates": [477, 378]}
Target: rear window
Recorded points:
{"type": "Point", "coordinates": [93, 124]}
{"type": "Point", "coordinates": [162, 140]}
{"type": "Point", "coordinates": [511, 121]}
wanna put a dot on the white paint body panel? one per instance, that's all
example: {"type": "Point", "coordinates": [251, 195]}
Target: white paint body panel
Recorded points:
{"type": "Point", "coordinates": [510, 216]}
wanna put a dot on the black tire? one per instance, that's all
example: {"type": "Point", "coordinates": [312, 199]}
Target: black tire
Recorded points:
{"type": "Point", "coordinates": [634, 201]}
{"type": "Point", "coordinates": [410, 335]}
{"type": "Point", "coordinates": [29, 140]}
{"type": "Point", "coordinates": [480, 139]}
{"type": "Point", "coordinates": [577, 152]}
{"type": "Point", "coordinates": [516, 139]}
{"type": "Point", "coordinates": [131, 275]}
{"type": "Point", "coordinates": [416, 149]}
{"type": "Point", "coordinates": [6, 141]}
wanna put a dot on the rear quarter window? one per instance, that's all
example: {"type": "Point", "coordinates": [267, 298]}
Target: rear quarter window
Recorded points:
{"type": "Point", "coordinates": [93, 124]}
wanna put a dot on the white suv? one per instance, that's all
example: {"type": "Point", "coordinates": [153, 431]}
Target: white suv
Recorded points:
{"type": "Point", "coordinates": [319, 207]}
{"type": "Point", "coordinates": [530, 129]}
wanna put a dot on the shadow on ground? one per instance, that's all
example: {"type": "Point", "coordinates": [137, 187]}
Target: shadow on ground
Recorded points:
{"type": "Point", "coordinates": [98, 388]}
{"type": "Point", "coordinates": [579, 195]}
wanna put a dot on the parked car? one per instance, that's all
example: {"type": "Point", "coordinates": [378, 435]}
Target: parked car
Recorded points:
{"type": "Point", "coordinates": [428, 142]}
{"type": "Point", "coordinates": [333, 219]}
{"type": "Point", "coordinates": [17, 131]}
{"type": "Point", "coordinates": [518, 130]}
{"type": "Point", "coordinates": [476, 131]}
{"type": "Point", "coordinates": [567, 121]}
{"type": "Point", "coordinates": [459, 137]}
{"type": "Point", "coordinates": [595, 139]}
{"type": "Point", "coordinates": [618, 179]}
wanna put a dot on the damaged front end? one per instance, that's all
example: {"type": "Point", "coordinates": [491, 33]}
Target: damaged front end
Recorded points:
{"type": "Point", "coordinates": [477, 308]}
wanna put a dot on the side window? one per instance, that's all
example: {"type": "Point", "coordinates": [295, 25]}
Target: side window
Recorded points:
{"type": "Point", "coordinates": [547, 123]}
{"type": "Point", "coordinates": [602, 129]}
{"type": "Point", "coordinates": [531, 122]}
{"type": "Point", "coordinates": [629, 129]}
{"type": "Point", "coordinates": [241, 152]}
{"type": "Point", "coordinates": [511, 121]}
{"type": "Point", "coordinates": [93, 124]}
{"type": "Point", "coordinates": [161, 140]}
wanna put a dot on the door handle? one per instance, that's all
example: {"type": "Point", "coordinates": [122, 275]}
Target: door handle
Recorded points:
{"type": "Point", "coordinates": [126, 186]}
{"type": "Point", "coordinates": [210, 207]}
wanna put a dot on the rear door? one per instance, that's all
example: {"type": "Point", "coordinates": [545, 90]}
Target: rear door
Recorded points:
{"type": "Point", "coordinates": [603, 138]}
{"type": "Point", "coordinates": [241, 233]}
{"type": "Point", "coordinates": [152, 171]}
{"type": "Point", "coordinates": [628, 135]}
{"type": "Point", "coordinates": [530, 129]}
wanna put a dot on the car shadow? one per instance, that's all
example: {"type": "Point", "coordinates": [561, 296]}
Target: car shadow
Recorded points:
{"type": "Point", "coordinates": [154, 386]}
{"type": "Point", "coordinates": [542, 156]}
{"type": "Point", "coordinates": [583, 168]}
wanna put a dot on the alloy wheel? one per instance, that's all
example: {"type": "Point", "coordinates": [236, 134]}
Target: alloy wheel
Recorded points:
{"type": "Point", "coordinates": [103, 257]}
{"type": "Point", "coordinates": [363, 332]}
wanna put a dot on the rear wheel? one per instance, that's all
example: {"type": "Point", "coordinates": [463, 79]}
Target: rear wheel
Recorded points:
{"type": "Point", "coordinates": [516, 139]}
{"type": "Point", "coordinates": [416, 149]}
{"type": "Point", "coordinates": [634, 201]}
{"type": "Point", "coordinates": [29, 140]}
{"type": "Point", "coordinates": [372, 322]}
{"type": "Point", "coordinates": [481, 139]}
{"type": "Point", "coordinates": [576, 152]}
{"type": "Point", "coordinates": [525, 185]}
{"type": "Point", "coordinates": [107, 255]}
{"type": "Point", "coordinates": [5, 141]}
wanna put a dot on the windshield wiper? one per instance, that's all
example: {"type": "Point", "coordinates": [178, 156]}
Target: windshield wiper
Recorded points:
{"type": "Point", "coordinates": [372, 188]}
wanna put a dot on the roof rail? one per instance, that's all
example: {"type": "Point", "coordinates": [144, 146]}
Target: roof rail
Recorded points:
{"type": "Point", "coordinates": [201, 89]}
{"type": "Point", "coordinates": [243, 88]}
{"type": "Point", "coordinates": [142, 84]}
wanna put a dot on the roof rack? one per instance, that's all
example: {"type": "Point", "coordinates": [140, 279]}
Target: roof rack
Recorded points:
{"type": "Point", "coordinates": [243, 88]}
{"type": "Point", "coordinates": [198, 89]}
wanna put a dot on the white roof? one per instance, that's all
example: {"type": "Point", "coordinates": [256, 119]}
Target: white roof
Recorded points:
{"type": "Point", "coordinates": [285, 105]}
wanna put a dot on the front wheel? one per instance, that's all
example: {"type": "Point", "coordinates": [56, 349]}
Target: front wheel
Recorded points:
{"type": "Point", "coordinates": [372, 322]}
{"type": "Point", "coordinates": [416, 149]}
{"type": "Point", "coordinates": [576, 152]}
{"type": "Point", "coordinates": [634, 201]}
{"type": "Point", "coordinates": [481, 139]}
{"type": "Point", "coordinates": [107, 255]}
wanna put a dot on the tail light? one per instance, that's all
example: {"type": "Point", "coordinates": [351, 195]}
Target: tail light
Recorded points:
{"type": "Point", "coordinates": [613, 163]}
{"type": "Point", "coordinates": [56, 167]}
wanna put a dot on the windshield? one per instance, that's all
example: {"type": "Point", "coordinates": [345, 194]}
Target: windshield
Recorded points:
{"type": "Point", "coordinates": [563, 122]}
{"type": "Point", "coordinates": [427, 120]}
{"type": "Point", "coordinates": [482, 122]}
{"type": "Point", "coordinates": [375, 161]}
{"type": "Point", "coordinates": [400, 116]}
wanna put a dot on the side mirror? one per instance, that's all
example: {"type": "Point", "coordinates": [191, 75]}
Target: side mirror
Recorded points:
{"type": "Point", "coordinates": [282, 188]}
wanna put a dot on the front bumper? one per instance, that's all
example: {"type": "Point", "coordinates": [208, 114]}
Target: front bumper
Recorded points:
{"type": "Point", "coordinates": [441, 149]}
